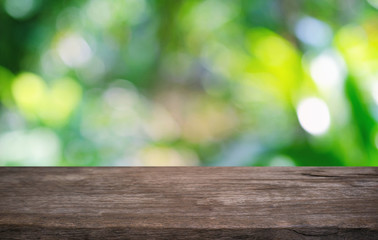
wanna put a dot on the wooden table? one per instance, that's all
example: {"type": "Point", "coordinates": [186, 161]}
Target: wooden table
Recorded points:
{"type": "Point", "coordinates": [189, 203]}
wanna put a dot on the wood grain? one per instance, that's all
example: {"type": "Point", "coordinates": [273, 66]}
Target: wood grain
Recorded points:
{"type": "Point", "coordinates": [189, 203]}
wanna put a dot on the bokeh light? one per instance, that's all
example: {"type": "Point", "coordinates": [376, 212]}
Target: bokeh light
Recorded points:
{"type": "Point", "coordinates": [74, 50]}
{"type": "Point", "coordinates": [210, 83]}
{"type": "Point", "coordinates": [328, 70]}
{"type": "Point", "coordinates": [20, 9]}
{"type": "Point", "coordinates": [313, 115]}
{"type": "Point", "coordinates": [313, 32]}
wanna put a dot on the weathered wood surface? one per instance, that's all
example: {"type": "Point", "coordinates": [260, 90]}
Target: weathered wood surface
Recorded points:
{"type": "Point", "coordinates": [189, 203]}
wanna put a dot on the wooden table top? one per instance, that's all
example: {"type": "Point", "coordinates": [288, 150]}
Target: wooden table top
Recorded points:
{"type": "Point", "coordinates": [189, 203]}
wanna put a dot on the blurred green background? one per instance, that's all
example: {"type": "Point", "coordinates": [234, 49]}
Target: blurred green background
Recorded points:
{"type": "Point", "coordinates": [170, 82]}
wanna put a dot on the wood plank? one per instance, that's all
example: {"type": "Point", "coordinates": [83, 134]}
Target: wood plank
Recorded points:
{"type": "Point", "coordinates": [189, 203]}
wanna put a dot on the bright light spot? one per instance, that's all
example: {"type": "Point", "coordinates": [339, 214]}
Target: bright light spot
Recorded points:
{"type": "Point", "coordinates": [328, 70]}
{"type": "Point", "coordinates": [40, 147]}
{"type": "Point", "coordinates": [282, 161]}
{"type": "Point", "coordinates": [52, 105]}
{"type": "Point", "coordinates": [373, 3]}
{"type": "Point", "coordinates": [313, 32]}
{"type": "Point", "coordinates": [19, 8]}
{"type": "Point", "coordinates": [313, 115]}
{"type": "Point", "coordinates": [74, 51]}
{"type": "Point", "coordinates": [28, 90]}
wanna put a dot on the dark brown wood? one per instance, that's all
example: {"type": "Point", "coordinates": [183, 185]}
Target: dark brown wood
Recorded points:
{"type": "Point", "coordinates": [189, 203]}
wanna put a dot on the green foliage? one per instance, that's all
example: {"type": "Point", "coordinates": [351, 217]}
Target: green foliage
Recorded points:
{"type": "Point", "coordinates": [213, 82]}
